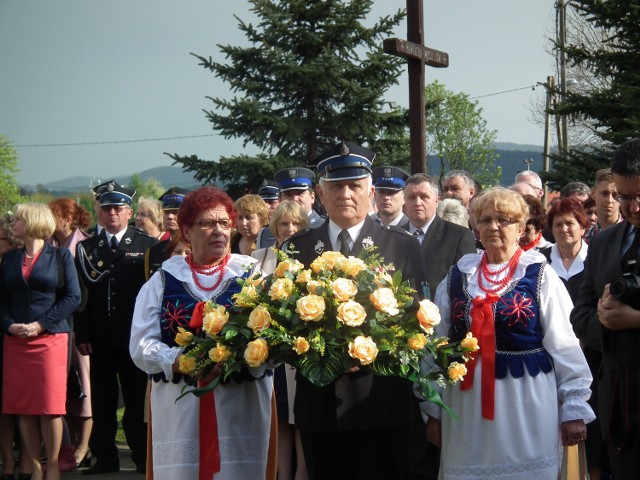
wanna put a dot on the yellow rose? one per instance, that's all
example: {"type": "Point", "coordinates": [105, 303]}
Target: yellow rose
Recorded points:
{"type": "Point", "coordinates": [183, 338]}
{"type": "Point", "coordinates": [247, 296]}
{"type": "Point", "coordinates": [285, 266]}
{"type": "Point", "coordinates": [363, 349]}
{"type": "Point", "coordinates": [281, 289]}
{"type": "Point", "coordinates": [259, 319]}
{"type": "Point", "coordinates": [417, 341]}
{"type": "Point", "coordinates": [344, 289]}
{"type": "Point", "coordinates": [300, 345]}
{"type": "Point", "coordinates": [352, 266]}
{"type": "Point", "coordinates": [317, 265]}
{"type": "Point", "coordinates": [385, 301]}
{"type": "Point", "coordinates": [470, 343]}
{"type": "Point", "coordinates": [186, 365]}
{"type": "Point", "coordinates": [351, 313]}
{"type": "Point", "coordinates": [315, 287]}
{"type": "Point", "coordinates": [304, 276]}
{"type": "Point", "coordinates": [456, 371]}
{"type": "Point", "coordinates": [428, 316]}
{"type": "Point", "coordinates": [256, 352]}
{"type": "Point", "coordinates": [220, 353]}
{"type": "Point", "coordinates": [215, 320]}
{"type": "Point", "coordinates": [310, 308]}
{"type": "Point", "coordinates": [332, 259]}
{"type": "Point", "coordinates": [384, 280]}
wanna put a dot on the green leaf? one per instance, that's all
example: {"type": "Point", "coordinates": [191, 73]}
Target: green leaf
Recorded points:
{"type": "Point", "coordinates": [320, 371]}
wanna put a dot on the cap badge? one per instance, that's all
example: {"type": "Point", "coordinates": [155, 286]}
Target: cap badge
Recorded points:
{"type": "Point", "coordinates": [367, 242]}
{"type": "Point", "coordinates": [293, 173]}
{"type": "Point", "coordinates": [387, 172]}
{"type": "Point", "coordinates": [319, 248]}
{"type": "Point", "coordinates": [344, 150]}
{"type": "Point", "coordinates": [110, 187]}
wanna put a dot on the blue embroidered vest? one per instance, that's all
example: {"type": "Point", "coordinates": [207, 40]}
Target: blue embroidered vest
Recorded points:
{"type": "Point", "coordinates": [517, 322]}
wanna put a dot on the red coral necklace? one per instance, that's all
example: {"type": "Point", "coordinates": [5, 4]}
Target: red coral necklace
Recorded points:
{"type": "Point", "coordinates": [485, 274]}
{"type": "Point", "coordinates": [208, 270]}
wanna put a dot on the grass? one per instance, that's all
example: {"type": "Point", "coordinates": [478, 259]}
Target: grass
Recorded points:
{"type": "Point", "coordinates": [120, 438]}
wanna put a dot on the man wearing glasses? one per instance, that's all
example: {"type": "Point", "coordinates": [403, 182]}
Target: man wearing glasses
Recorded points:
{"type": "Point", "coordinates": [611, 324]}
{"type": "Point", "coordinates": [111, 270]}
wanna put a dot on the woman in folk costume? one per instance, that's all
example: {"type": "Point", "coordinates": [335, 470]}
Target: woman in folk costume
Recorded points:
{"type": "Point", "coordinates": [526, 390]}
{"type": "Point", "coordinates": [224, 434]}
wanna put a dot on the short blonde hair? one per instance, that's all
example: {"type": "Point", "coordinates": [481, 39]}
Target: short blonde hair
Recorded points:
{"type": "Point", "coordinates": [503, 201]}
{"type": "Point", "coordinates": [251, 203]}
{"type": "Point", "coordinates": [288, 208]}
{"type": "Point", "coordinates": [38, 218]}
{"type": "Point", "coordinates": [154, 207]}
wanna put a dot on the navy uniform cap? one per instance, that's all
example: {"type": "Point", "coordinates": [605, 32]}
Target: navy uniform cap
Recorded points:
{"type": "Point", "coordinates": [172, 198]}
{"type": "Point", "coordinates": [294, 178]}
{"type": "Point", "coordinates": [389, 177]}
{"type": "Point", "coordinates": [101, 188]}
{"type": "Point", "coordinates": [116, 194]}
{"type": "Point", "coordinates": [269, 190]}
{"type": "Point", "coordinates": [345, 161]}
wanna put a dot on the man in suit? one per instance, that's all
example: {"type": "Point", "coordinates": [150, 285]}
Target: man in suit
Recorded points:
{"type": "Point", "coordinates": [111, 270]}
{"type": "Point", "coordinates": [361, 421]}
{"type": "Point", "coordinates": [156, 254]}
{"type": "Point", "coordinates": [442, 245]}
{"type": "Point", "coordinates": [296, 184]}
{"type": "Point", "coordinates": [606, 323]}
{"type": "Point", "coordinates": [389, 195]}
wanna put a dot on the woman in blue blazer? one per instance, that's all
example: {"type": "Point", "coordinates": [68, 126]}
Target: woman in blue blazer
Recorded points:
{"type": "Point", "coordinates": [38, 291]}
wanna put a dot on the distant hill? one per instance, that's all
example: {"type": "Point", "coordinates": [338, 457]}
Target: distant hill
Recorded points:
{"type": "Point", "coordinates": [511, 159]}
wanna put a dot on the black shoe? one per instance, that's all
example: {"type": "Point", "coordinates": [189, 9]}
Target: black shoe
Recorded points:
{"type": "Point", "coordinates": [103, 466]}
{"type": "Point", "coordinates": [141, 467]}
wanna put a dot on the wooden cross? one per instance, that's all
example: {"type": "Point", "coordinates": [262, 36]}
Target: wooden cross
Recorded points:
{"type": "Point", "coordinates": [418, 56]}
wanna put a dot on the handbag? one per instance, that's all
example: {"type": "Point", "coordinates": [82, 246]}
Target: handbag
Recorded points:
{"type": "Point", "coordinates": [574, 463]}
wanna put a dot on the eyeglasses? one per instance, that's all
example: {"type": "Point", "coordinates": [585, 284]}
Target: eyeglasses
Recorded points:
{"type": "Point", "coordinates": [116, 208]}
{"type": "Point", "coordinates": [627, 199]}
{"type": "Point", "coordinates": [501, 221]}
{"type": "Point", "coordinates": [143, 214]}
{"type": "Point", "coordinates": [225, 224]}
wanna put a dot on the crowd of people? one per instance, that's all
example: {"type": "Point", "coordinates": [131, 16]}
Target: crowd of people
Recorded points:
{"type": "Point", "coordinates": [90, 318]}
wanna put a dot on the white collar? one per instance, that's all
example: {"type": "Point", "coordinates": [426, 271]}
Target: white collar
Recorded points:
{"type": "Point", "coordinates": [334, 231]}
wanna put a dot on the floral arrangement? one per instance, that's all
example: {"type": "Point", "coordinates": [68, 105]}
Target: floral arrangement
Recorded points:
{"type": "Point", "coordinates": [340, 313]}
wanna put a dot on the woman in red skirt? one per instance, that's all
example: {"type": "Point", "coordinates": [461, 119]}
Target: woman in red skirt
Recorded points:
{"type": "Point", "coordinates": [38, 292]}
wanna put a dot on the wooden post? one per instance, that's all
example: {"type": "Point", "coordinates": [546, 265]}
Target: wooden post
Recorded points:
{"type": "Point", "coordinates": [418, 56]}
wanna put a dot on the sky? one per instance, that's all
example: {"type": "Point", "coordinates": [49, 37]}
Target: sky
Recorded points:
{"type": "Point", "coordinates": [83, 81]}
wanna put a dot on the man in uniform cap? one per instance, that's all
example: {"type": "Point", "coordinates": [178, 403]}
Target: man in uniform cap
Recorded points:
{"type": "Point", "coordinates": [111, 271]}
{"type": "Point", "coordinates": [389, 195]}
{"type": "Point", "coordinates": [296, 184]}
{"type": "Point", "coordinates": [97, 191]}
{"type": "Point", "coordinates": [270, 193]}
{"type": "Point", "coordinates": [156, 254]}
{"type": "Point", "coordinates": [360, 421]}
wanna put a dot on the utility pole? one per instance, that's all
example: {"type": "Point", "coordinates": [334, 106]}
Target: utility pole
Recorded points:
{"type": "Point", "coordinates": [563, 130]}
{"type": "Point", "coordinates": [549, 87]}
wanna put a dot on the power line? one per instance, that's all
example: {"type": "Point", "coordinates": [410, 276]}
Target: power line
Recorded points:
{"type": "Point", "coordinates": [75, 144]}
{"type": "Point", "coordinates": [113, 142]}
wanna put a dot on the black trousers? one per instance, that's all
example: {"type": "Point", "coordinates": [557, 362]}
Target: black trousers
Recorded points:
{"type": "Point", "coordinates": [111, 372]}
{"type": "Point", "coordinates": [380, 453]}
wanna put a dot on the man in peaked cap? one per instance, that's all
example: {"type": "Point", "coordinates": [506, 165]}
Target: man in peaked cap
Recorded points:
{"type": "Point", "coordinates": [156, 254]}
{"type": "Point", "coordinates": [389, 195]}
{"type": "Point", "coordinates": [96, 192]}
{"type": "Point", "coordinates": [360, 421]}
{"type": "Point", "coordinates": [296, 184]}
{"type": "Point", "coordinates": [111, 270]}
{"type": "Point", "coordinates": [270, 193]}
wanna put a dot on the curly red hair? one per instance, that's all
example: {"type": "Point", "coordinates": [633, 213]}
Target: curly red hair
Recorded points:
{"type": "Point", "coordinates": [201, 199]}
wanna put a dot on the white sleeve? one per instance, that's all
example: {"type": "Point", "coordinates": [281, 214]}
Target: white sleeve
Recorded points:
{"type": "Point", "coordinates": [573, 377]}
{"type": "Point", "coordinates": [147, 350]}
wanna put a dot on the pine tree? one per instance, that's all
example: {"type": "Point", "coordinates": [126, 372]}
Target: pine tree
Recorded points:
{"type": "Point", "coordinates": [312, 75]}
{"type": "Point", "coordinates": [613, 107]}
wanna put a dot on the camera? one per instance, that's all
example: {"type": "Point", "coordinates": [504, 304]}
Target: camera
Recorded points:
{"type": "Point", "coordinates": [627, 289]}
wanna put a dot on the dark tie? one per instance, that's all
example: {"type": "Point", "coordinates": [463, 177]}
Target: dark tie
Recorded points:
{"type": "Point", "coordinates": [630, 258]}
{"type": "Point", "coordinates": [343, 238]}
{"type": "Point", "coordinates": [417, 234]}
{"type": "Point", "coordinates": [114, 243]}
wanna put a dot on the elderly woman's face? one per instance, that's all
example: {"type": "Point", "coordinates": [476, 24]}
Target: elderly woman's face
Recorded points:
{"type": "Point", "coordinates": [529, 235]}
{"type": "Point", "coordinates": [248, 224]}
{"type": "Point", "coordinates": [498, 231]}
{"type": "Point", "coordinates": [567, 231]}
{"type": "Point", "coordinates": [144, 221]}
{"type": "Point", "coordinates": [286, 226]}
{"type": "Point", "coordinates": [18, 226]}
{"type": "Point", "coordinates": [209, 235]}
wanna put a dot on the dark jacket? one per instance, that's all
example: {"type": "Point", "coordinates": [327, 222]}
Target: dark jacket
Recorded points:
{"type": "Point", "coordinates": [358, 401]}
{"type": "Point", "coordinates": [112, 281]}
{"type": "Point", "coordinates": [36, 300]}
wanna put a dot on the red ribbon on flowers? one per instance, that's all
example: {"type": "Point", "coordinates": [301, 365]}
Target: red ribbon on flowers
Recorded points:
{"type": "Point", "coordinates": [197, 316]}
{"type": "Point", "coordinates": [482, 328]}
{"type": "Point", "coordinates": [209, 444]}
